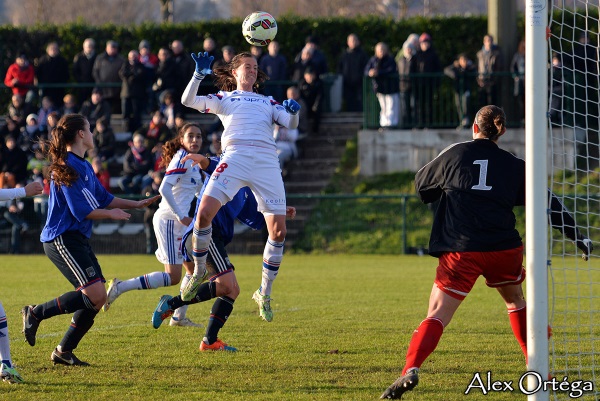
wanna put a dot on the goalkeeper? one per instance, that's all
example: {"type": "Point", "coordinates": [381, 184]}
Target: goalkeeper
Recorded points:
{"type": "Point", "coordinates": [474, 234]}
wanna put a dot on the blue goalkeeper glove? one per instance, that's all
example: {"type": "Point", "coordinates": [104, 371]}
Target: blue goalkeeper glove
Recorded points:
{"type": "Point", "coordinates": [203, 62]}
{"type": "Point", "coordinates": [291, 106]}
{"type": "Point", "coordinates": [585, 245]}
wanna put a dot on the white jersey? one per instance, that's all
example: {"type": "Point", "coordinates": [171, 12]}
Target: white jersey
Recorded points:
{"type": "Point", "coordinates": [186, 181]}
{"type": "Point", "coordinates": [247, 117]}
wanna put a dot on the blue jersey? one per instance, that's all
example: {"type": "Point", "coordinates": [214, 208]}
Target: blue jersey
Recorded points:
{"type": "Point", "coordinates": [68, 206]}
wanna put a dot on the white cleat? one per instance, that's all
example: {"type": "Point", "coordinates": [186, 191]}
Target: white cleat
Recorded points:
{"type": "Point", "coordinates": [112, 294]}
{"type": "Point", "coordinates": [185, 322]}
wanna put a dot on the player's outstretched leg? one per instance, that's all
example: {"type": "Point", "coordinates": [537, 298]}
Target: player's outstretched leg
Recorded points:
{"type": "Point", "coordinates": [404, 383]}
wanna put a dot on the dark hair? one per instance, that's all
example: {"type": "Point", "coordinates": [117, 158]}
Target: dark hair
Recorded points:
{"type": "Point", "coordinates": [55, 148]}
{"type": "Point", "coordinates": [224, 78]}
{"type": "Point", "coordinates": [173, 145]}
{"type": "Point", "coordinates": [491, 121]}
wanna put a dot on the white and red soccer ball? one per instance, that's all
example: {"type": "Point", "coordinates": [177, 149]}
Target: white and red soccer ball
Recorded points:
{"type": "Point", "coordinates": [259, 28]}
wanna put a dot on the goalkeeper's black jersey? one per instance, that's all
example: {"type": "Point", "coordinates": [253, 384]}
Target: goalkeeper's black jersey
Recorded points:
{"type": "Point", "coordinates": [477, 185]}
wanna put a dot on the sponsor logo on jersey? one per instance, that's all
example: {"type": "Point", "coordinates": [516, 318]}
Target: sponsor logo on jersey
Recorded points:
{"type": "Point", "coordinates": [90, 271]}
{"type": "Point", "coordinates": [275, 201]}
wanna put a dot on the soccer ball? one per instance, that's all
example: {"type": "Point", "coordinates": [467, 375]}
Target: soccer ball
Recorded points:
{"type": "Point", "coordinates": [259, 28]}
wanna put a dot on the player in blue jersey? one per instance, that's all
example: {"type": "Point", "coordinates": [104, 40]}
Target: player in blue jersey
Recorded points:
{"type": "Point", "coordinates": [249, 159]}
{"type": "Point", "coordinates": [76, 199]}
{"type": "Point", "coordinates": [8, 373]}
{"type": "Point", "coordinates": [222, 283]}
{"type": "Point", "coordinates": [179, 187]}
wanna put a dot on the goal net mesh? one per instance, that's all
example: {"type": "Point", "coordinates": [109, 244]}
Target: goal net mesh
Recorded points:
{"type": "Point", "coordinates": [573, 114]}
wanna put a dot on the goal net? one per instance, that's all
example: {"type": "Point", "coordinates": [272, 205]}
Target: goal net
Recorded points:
{"type": "Point", "coordinates": [573, 168]}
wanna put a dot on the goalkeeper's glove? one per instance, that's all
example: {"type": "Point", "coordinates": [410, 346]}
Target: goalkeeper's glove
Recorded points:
{"type": "Point", "coordinates": [291, 106]}
{"type": "Point", "coordinates": [203, 62]}
{"type": "Point", "coordinates": [585, 245]}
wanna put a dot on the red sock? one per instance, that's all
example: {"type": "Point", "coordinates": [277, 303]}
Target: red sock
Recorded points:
{"type": "Point", "coordinates": [423, 342]}
{"type": "Point", "coordinates": [518, 323]}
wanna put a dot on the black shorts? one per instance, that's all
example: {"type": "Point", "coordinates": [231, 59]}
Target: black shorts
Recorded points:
{"type": "Point", "coordinates": [217, 260]}
{"type": "Point", "coordinates": [72, 254]}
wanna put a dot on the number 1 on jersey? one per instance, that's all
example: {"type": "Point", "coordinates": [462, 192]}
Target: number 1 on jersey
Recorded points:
{"type": "Point", "coordinates": [481, 185]}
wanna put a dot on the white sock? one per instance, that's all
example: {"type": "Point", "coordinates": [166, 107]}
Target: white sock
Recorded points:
{"type": "Point", "coordinates": [181, 311]}
{"type": "Point", "coordinates": [146, 282]}
{"type": "Point", "coordinates": [4, 342]}
{"type": "Point", "coordinates": [200, 243]}
{"type": "Point", "coordinates": [272, 256]}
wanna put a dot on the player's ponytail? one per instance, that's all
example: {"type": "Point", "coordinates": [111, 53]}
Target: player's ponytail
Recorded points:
{"type": "Point", "coordinates": [55, 148]}
{"type": "Point", "coordinates": [491, 121]}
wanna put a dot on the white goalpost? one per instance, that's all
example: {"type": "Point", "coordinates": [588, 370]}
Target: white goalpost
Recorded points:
{"type": "Point", "coordinates": [562, 117]}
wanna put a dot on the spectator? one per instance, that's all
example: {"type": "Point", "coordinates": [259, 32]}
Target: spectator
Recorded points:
{"type": "Point", "coordinates": [151, 190]}
{"type": "Point", "coordinates": [104, 140]}
{"type": "Point", "coordinates": [166, 76]}
{"type": "Point", "coordinates": [311, 91]}
{"type": "Point", "coordinates": [11, 216]}
{"type": "Point", "coordinates": [257, 52]}
{"type": "Point", "coordinates": [184, 67]}
{"type": "Point", "coordinates": [275, 66]}
{"type": "Point", "coordinates": [13, 167]}
{"type": "Point", "coordinates": [133, 91]}
{"type": "Point", "coordinates": [227, 53]}
{"type": "Point", "coordinates": [10, 127]}
{"type": "Point", "coordinates": [210, 46]}
{"type": "Point", "coordinates": [285, 140]}
{"type": "Point", "coordinates": [293, 92]}
{"type": "Point", "coordinates": [156, 132]}
{"type": "Point", "coordinates": [462, 71]}
{"type": "Point", "coordinates": [406, 62]}
{"type": "Point", "coordinates": [517, 69]}
{"type": "Point", "coordinates": [150, 62]}
{"type": "Point", "coordinates": [52, 68]}
{"type": "Point", "coordinates": [556, 87]}
{"type": "Point", "coordinates": [30, 134]}
{"type": "Point", "coordinates": [428, 67]}
{"type": "Point", "coordinates": [101, 173]}
{"type": "Point", "coordinates": [69, 105]}
{"type": "Point", "coordinates": [19, 109]}
{"type": "Point", "coordinates": [20, 77]}
{"type": "Point", "coordinates": [306, 60]}
{"type": "Point", "coordinates": [96, 107]}
{"type": "Point", "coordinates": [351, 67]}
{"type": "Point", "coordinates": [136, 166]}
{"type": "Point", "coordinates": [381, 68]}
{"type": "Point", "coordinates": [37, 168]}
{"type": "Point", "coordinates": [47, 107]}
{"type": "Point", "coordinates": [106, 74]}
{"type": "Point", "coordinates": [51, 123]}
{"type": "Point", "coordinates": [83, 66]}
{"type": "Point", "coordinates": [489, 63]}
{"type": "Point", "coordinates": [169, 109]}
{"type": "Point", "coordinates": [318, 58]}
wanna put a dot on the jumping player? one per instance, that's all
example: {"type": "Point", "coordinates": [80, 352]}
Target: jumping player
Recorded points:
{"type": "Point", "coordinates": [8, 373]}
{"type": "Point", "coordinates": [474, 234]}
{"type": "Point", "coordinates": [223, 283]}
{"type": "Point", "coordinates": [249, 159]}
{"type": "Point", "coordinates": [76, 199]}
{"type": "Point", "coordinates": [181, 184]}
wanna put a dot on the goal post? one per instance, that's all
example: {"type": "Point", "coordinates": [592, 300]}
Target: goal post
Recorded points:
{"type": "Point", "coordinates": [536, 176]}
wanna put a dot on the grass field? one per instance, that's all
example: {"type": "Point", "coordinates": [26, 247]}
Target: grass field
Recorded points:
{"type": "Point", "coordinates": [342, 324]}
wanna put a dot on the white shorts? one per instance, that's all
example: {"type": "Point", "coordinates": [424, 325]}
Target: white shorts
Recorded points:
{"type": "Point", "coordinates": [168, 237]}
{"type": "Point", "coordinates": [255, 167]}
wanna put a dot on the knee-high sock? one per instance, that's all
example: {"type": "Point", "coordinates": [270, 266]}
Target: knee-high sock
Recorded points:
{"type": "Point", "coordinates": [68, 302]}
{"type": "Point", "coordinates": [200, 243]}
{"type": "Point", "coordinates": [182, 310]}
{"type": "Point", "coordinates": [145, 282]}
{"type": "Point", "coordinates": [423, 342]}
{"type": "Point", "coordinates": [271, 261]}
{"type": "Point", "coordinates": [4, 341]}
{"type": "Point", "coordinates": [218, 316]}
{"type": "Point", "coordinates": [81, 323]}
{"type": "Point", "coordinates": [518, 323]}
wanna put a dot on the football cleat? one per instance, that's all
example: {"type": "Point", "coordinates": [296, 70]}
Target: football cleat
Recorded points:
{"type": "Point", "coordinates": [112, 294]}
{"type": "Point", "coordinates": [264, 305]}
{"type": "Point", "coordinates": [162, 311]}
{"type": "Point", "coordinates": [10, 375]}
{"type": "Point", "coordinates": [30, 324]}
{"type": "Point", "coordinates": [66, 358]}
{"type": "Point", "coordinates": [402, 384]}
{"type": "Point", "coordinates": [191, 288]}
{"type": "Point", "coordinates": [185, 322]}
{"type": "Point", "coordinates": [216, 346]}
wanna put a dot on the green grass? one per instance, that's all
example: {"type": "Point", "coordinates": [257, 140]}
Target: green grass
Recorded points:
{"type": "Point", "coordinates": [342, 324]}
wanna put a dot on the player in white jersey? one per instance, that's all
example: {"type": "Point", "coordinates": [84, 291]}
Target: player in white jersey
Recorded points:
{"type": "Point", "coordinates": [179, 188]}
{"type": "Point", "coordinates": [249, 159]}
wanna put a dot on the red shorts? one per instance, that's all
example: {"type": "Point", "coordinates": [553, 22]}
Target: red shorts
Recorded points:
{"type": "Point", "coordinates": [458, 271]}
